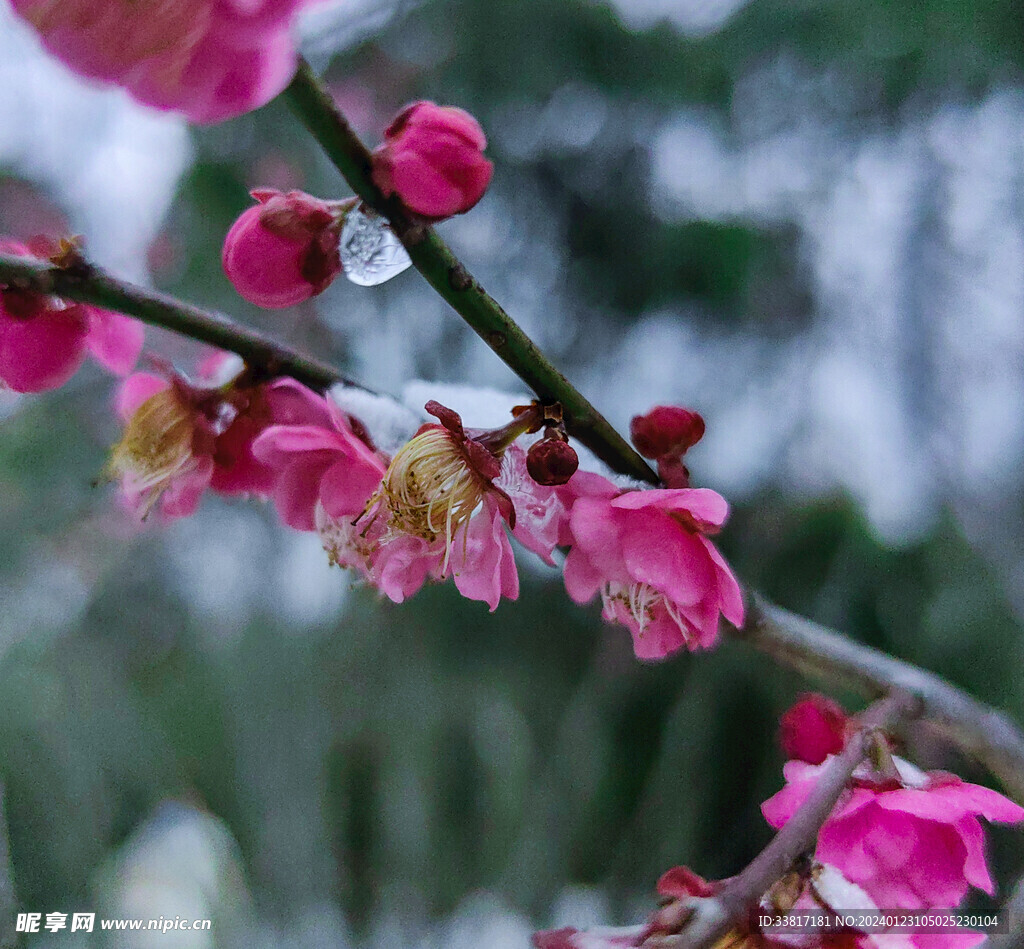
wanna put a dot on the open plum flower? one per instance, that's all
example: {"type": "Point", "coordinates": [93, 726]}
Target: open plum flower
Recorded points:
{"type": "Point", "coordinates": [326, 474]}
{"type": "Point", "coordinates": [647, 554]}
{"type": "Point", "coordinates": [440, 507]}
{"type": "Point", "coordinates": [44, 340]}
{"type": "Point", "coordinates": [910, 839]}
{"type": "Point", "coordinates": [209, 59]}
{"type": "Point", "coordinates": [181, 438]}
{"type": "Point", "coordinates": [445, 500]}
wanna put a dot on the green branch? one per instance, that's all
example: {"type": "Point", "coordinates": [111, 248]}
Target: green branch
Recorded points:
{"type": "Point", "coordinates": [84, 283]}
{"type": "Point", "coordinates": [450, 278]}
{"type": "Point", "coordinates": [978, 729]}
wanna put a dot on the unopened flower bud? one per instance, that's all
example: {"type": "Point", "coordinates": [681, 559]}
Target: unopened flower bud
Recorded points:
{"type": "Point", "coordinates": [551, 461]}
{"type": "Point", "coordinates": [813, 729]}
{"type": "Point", "coordinates": [432, 158]}
{"type": "Point", "coordinates": [666, 431]}
{"type": "Point", "coordinates": [284, 250]}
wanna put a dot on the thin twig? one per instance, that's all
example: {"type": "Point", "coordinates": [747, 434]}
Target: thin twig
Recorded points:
{"type": "Point", "coordinates": [85, 283]}
{"type": "Point", "coordinates": [450, 278]}
{"type": "Point", "coordinates": [715, 916]}
{"type": "Point", "coordinates": [978, 729]}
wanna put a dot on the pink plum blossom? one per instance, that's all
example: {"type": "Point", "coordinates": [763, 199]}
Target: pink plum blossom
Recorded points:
{"type": "Point", "coordinates": [319, 463]}
{"type": "Point", "coordinates": [446, 512]}
{"type": "Point", "coordinates": [646, 553]}
{"type": "Point", "coordinates": [44, 340]}
{"type": "Point", "coordinates": [441, 507]}
{"type": "Point", "coordinates": [911, 841]}
{"type": "Point", "coordinates": [284, 250]}
{"type": "Point", "coordinates": [432, 158]}
{"type": "Point", "coordinates": [208, 59]}
{"type": "Point", "coordinates": [182, 438]}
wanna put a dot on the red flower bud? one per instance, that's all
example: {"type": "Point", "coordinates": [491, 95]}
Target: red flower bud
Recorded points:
{"type": "Point", "coordinates": [666, 431]}
{"type": "Point", "coordinates": [432, 158]}
{"type": "Point", "coordinates": [284, 250]}
{"type": "Point", "coordinates": [813, 729]}
{"type": "Point", "coordinates": [551, 461]}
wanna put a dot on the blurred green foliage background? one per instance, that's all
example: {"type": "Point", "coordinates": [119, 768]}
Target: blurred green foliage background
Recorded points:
{"type": "Point", "coordinates": [200, 717]}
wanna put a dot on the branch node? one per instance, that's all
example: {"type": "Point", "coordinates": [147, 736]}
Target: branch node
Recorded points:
{"type": "Point", "coordinates": [459, 277]}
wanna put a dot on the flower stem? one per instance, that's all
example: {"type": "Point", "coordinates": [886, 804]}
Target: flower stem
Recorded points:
{"type": "Point", "coordinates": [450, 278]}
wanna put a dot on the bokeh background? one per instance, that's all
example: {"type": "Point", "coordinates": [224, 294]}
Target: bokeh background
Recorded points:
{"type": "Point", "coordinates": [804, 218]}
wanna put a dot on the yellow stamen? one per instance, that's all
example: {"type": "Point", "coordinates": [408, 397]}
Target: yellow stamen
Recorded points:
{"type": "Point", "coordinates": [429, 488]}
{"type": "Point", "coordinates": [341, 538]}
{"type": "Point", "coordinates": [155, 448]}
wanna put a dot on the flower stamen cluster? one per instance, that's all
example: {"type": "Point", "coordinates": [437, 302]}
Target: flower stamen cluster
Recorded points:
{"type": "Point", "coordinates": [157, 447]}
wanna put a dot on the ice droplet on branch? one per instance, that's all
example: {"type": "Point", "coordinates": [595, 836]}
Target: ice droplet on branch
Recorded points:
{"type": "Point", "coordinates": [370, 252]}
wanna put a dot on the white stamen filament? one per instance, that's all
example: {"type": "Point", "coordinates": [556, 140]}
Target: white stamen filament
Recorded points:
{"type": "Point", "coordinates": [641, 601]}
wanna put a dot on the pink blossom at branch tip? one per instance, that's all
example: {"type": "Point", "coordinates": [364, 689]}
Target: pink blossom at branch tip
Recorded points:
{"type": "Point", "coordinates": [44, 340]}
{"type": "Point", "coordinates": [432, 158]}
{"type": "Point", "coordinates": [284, 250]}
{"type": "Point", "coordinates": [813, 728]}
{"type": "Point", "coordinates": [911, 841]}
{"type": "Point", "coordinates": [647, 554]}
{"type": "Point", "coordinates": [208, 59]}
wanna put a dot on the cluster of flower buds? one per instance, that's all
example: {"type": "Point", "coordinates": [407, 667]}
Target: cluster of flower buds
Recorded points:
{"type": "Point", "coordinates": [900, 841]}
{"type": "Point", "coordinates": [290, 246]}
{"type": "Point", "coordinates": [44, 340]}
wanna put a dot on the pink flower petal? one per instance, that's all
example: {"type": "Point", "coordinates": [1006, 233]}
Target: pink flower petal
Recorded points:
{"type": "Point", "coordinates": [114, 341]}
{"type": "Point", "coordinates": [346, 487]}
{"type": "Point", "coordinates": [43, 351]}
{"type": "Point", "coordinates": [660, 553]}
{"type": "Point", "coordinates": [297, 491]}
{"type": "Point", "coordinates": [486, 570]}
{"type": "Point", "coordinates": [135, 390]}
